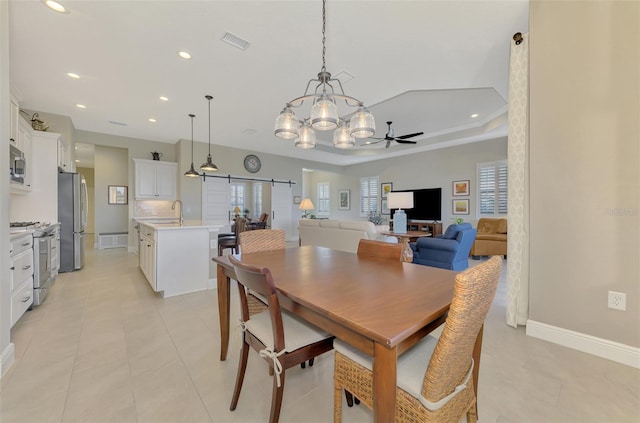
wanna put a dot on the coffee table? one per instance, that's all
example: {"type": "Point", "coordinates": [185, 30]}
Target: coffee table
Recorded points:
{"type": "Point", "coordinates": [407, 252]}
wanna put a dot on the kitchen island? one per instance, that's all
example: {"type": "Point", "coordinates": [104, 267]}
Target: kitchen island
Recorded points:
{"type": "Point", "coordinates": [176, 258]}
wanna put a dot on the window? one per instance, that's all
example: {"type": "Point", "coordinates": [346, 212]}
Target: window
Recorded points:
{"type": "Point", "coordinates": [237, 197]}
{"type": "Point", "coordinates": [492, 188]}
{"type": "Point", "coordinates": [368, 195]}
{"type": "Point", "coordinates": [323, 199]}
{"type": "Point", "coordinates": [257, 199]}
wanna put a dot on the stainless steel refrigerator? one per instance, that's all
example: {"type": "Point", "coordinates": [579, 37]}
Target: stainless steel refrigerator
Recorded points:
{"type": "Point", "coordinates": [72, 214]}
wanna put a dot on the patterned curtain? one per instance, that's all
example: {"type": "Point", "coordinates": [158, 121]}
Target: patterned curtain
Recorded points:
{"type": "Point", "coordinates": [518, 208]}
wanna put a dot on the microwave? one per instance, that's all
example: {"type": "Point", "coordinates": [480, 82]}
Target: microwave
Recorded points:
{"type": "Point", "coordinates": [17, 165]}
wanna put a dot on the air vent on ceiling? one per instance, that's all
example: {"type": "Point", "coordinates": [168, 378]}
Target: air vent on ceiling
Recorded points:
{"type": "Point", "coordinates": [235, 41]}
{"type": "Point", "coordinates": [249, 131]}
{"type": "Point", "coordinates": [113, 122]}
{"type": "Point", "coordinates": [344, 76]}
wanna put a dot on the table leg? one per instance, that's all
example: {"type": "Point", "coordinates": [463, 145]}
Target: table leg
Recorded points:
{"type": "Point", "coordinates": [407, 252]}
{"type": "Point", "coordinates": [224, 300]}
{"type": "Point", "coordinates": [384, 383]}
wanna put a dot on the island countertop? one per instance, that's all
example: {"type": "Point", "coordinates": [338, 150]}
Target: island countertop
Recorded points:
{"type": "Point", "coordinates": [174, 224]}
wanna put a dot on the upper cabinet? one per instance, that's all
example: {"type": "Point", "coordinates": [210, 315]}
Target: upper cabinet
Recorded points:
{"type": "Point", "coordinates": [64, 156]}
{"type": "Point", "coordinates": [155, 180]}
{"type": "Point", "coordinates": [14, 112]}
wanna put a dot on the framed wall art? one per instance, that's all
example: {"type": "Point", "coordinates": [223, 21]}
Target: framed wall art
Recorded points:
{"type": "Point", "coordinates": [385, 189]}
{"type": "Point", "coordinates": [460, 188]}
{"type": "Point", "coordinates": [118, 194]}
{"type": "Point", "coordinates": [344, 200]}
{"type": "Point", "coordinates": [296, 199]}
{"type": "Point", "coordinates": [460, 206]}
{"type": "Point", "coordinates": [384, 206]}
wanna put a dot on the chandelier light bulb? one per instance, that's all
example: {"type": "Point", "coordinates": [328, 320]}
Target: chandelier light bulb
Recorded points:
{"type": "Point", "coordinates": [307, 138]}
{"type": "Point", "coordinates": [362, 123]}
{"type": "Point", "coordinates": [324, 114]}
{"type": "Point", "coordinates": [342, 138]}
{"type": "Point", "coordinates": [287, 124]}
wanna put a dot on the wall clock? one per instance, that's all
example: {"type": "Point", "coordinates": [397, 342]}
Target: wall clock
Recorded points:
{"type": "Point", "coordinates": [252, 163]}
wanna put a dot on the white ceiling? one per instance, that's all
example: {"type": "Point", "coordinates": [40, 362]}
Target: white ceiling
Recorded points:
{"type": "Point", "coordinates": [425, 65]}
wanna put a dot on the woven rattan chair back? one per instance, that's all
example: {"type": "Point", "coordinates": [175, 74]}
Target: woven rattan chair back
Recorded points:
{"type": "Point", "coordinates": [262, 240]}
{"type": "Point", "coordinates": [473, 295]}
{"type": "Point", "coordinates": [378, 249]}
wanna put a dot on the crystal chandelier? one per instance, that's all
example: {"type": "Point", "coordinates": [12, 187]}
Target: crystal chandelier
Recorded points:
{"type": "Point", "coordinates": [324, 115]}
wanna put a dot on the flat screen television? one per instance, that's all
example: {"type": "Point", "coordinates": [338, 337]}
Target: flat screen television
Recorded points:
{"type": "Point", "coordinates": [427, 204]}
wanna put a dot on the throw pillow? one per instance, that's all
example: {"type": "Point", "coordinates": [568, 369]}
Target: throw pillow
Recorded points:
{"type": "Point", "coordinates": [451, 232]}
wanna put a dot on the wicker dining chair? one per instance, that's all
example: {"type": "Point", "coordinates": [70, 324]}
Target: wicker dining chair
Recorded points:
{"type": "Point", "coordinates": [282, 339]}
{"type": "Point", "coordinates": [445, 392]}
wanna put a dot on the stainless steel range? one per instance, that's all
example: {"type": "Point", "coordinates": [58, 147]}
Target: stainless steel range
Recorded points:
{"type": "Point", "coordinates": [45, 244]}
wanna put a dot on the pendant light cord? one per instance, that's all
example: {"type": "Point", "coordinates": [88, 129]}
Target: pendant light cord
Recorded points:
{"type": "Point", "coordinates": [192, 116]}
{"type": "Point", "coordinates": [209, 98]}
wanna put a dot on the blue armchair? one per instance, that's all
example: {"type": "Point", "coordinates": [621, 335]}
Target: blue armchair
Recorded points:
{"type": "Point", "coordinates": [447, 251]}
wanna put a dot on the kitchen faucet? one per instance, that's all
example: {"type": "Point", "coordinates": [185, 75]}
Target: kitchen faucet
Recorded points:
{"type": "Point", "coordinates": [173, 207]}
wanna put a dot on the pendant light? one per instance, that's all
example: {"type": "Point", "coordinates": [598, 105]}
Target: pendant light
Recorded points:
{"type": "Point", "coordinates": [191, 173]}
{"type": "Point", "coordinates": [209, 166]}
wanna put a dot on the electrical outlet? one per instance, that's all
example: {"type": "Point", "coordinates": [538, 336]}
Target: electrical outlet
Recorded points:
{"type": "Point", "coordinates": [617, 300]}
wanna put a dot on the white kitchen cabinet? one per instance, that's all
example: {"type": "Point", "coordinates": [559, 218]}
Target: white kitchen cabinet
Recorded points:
{"type": "Point", "coordinates": [20, 276]}
{"type": "Point", "coordinates": [64, 156]}
{"type": "Point", "coordinates": [147, 254]}
{"type": "Point", "coordinates": [14, 116]}
{"type": "Point", "coordinates": [175, 259]}
{"type": "Point", "coordinates": [155, 180]}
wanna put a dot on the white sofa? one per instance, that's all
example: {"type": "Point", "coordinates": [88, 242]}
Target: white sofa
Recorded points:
{"type": "Point", "coordinates": [343, 235]}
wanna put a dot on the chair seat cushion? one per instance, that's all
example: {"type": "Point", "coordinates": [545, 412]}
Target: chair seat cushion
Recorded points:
{"type": "Point", "coordinates": [297, 332]}
{"type": "Point", "coordinates": [412, 365]}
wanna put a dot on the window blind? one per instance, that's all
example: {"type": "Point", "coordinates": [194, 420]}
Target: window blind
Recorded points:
{"type": "Point", "coordinates": [323, 199]}
{"type": "Point", "coordinates": [492, 188]}
{"type": "Point", "coordinates": [368, 195]}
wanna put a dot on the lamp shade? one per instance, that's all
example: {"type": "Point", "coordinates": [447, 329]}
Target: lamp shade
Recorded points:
{"type": "Point", "coordinates": [236, 210]}
{"type": "Point", "coordinates": [400, 200]}
{"type": "Point", "coordinates": [306, 204]}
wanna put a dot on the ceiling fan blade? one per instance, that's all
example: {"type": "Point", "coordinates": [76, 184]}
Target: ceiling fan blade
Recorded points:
{"type": "Point", "coordinates": [388, 144]}
{"type": "Point", "coordinates": [373, 142]}
{"type": "Point", "coordinates": [404, 137]}
{"type": "Point", "coordinates": [405, 141]}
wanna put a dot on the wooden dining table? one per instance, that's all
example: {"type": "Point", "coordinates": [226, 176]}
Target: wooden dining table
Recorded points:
{"type": "Point", "coordinates": [379, 307]}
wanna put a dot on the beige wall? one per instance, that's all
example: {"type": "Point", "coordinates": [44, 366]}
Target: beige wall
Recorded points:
{"type": "Point", "coordinates": [110, 169]}
{"type": "Point", "coordinates": [585, 183]}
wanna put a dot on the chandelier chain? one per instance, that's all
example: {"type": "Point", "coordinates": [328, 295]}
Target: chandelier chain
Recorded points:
{"type": "Point", "coordinates": [324, 37]}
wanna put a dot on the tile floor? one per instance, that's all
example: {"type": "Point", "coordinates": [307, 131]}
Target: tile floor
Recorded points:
{"type": "Point", "coordinates": [105, 348]}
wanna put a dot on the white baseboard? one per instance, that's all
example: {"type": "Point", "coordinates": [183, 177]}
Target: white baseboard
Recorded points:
{"type": "Point", "coordinates": [7, 358]}
{"type": "Point", "coordinates": [600, 347]}
{"type": "Point", "coordinates": [213, 283]}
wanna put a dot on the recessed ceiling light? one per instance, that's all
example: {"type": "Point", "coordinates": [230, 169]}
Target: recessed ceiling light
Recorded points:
{"type": "Point", "coordinates": [475, 115]}
{"type": "Point", "coordinates": [73, 75]}
{"type": "Point", "coordinates": [55, 6]}
{"type": "Point", "coordinates": [152, 120]}
{"type": "Point", "coordinates": [184, 55]}
{"type": "Point", "coordinates": [113, 122]}
{"type": "Point", "coordinates": [77, 161]}
{"type": "Point", "coordinates": [81, 106]}
{"type": "Point", "coordinates": [163, 98]}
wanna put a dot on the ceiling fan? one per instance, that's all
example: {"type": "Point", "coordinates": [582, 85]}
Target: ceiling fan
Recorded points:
{"type": "Point", "coordinates": [390, 137]}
